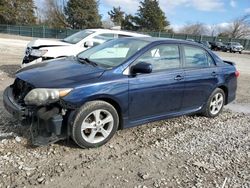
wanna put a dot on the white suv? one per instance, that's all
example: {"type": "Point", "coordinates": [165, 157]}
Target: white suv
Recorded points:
{"type": "Point", "coordinates": [44, 49]}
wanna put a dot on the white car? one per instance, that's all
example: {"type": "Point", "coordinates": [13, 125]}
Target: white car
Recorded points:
{"type": "Point", "coordinates": [44, 49]}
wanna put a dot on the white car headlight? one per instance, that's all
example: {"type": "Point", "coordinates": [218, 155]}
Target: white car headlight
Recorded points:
{"type": "Point", "coordinates": [38, 53]}
{"type": "Point", "coordinates": [42, 96]}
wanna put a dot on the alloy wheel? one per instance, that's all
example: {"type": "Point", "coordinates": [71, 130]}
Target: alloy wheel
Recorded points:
{"type": "Point", "coordinates": [216, 103]}
{"type": "Point", "coordinates": [97, 126]}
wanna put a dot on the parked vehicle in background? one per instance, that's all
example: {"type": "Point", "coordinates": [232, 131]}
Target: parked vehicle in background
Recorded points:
{"type": "Point", "coordinates": [44, 49]}
{"type": "Point", "coordinates": [205, 43]}
{"type": "Point", "coordinates": [119, 84]}
{"type": "Point", "coordinates": [217, 46]}
{"type": "Point", "coordinates": [233, 47]}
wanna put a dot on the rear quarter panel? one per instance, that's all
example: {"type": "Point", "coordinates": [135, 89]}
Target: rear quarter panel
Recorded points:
{"type": "Point", "coordinates": [227, 71]}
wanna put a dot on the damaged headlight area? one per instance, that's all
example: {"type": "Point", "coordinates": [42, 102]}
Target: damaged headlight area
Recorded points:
{"type": "Point", "coordinates": [38, 53]}
{"type": "Point", "coordinates": [43, 96]}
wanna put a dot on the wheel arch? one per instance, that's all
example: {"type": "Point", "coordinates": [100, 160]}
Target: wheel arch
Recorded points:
{"type": "Point", "coordinates": [225, 89]}
{"type": "Point", "coordinates": [114, 103]}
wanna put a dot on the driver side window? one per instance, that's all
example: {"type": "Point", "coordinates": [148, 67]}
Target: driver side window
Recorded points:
{"type": "Point", "coordinates": [162, 57]}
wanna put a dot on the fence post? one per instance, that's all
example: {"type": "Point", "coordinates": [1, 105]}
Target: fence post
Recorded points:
{"type": "Point", "coordinates": [245, 43]}
{"type": "Point", "coordinates": [8, 29]}
{"type": "Point", "coordinates": [32, 32]}
{"type": "Point", "coordinates": [19, 30]}
{"type": "Point", "coordinates": [172, 36]}
{"type": "Point", "coordinates": [247, 46]}
{"type": "Point", "coordinates": [159, 34]}
{"type": "Point", "coordinates": [43, 31]}
{"type": "Point", "coordinates": [201, 38]}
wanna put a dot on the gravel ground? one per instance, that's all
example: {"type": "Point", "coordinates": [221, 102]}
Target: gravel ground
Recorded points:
{"type": "Point", "coordinates": [189, 151]}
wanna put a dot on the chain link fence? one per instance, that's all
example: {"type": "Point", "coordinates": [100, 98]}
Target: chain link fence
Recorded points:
{"type": "Point", "coordinates": [45, 32]}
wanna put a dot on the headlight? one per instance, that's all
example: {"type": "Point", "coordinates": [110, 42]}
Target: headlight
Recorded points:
{"type": "Point", "coordinates": [38, 53]}
{"type": "Point", "coordinates": [43, 96]}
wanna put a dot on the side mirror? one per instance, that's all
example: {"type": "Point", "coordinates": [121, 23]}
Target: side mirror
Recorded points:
{"type": "Point", "coordinates": [142, 67]}
{"type": "Point", "coordinates": [88, 44]}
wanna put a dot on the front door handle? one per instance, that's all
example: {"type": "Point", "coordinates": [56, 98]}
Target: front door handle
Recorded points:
{"type": "Point", "coordinates": [179, 77]}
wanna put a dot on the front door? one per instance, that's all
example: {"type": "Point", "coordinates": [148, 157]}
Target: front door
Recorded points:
{"type": "Point", "coordinates": [160, 92]}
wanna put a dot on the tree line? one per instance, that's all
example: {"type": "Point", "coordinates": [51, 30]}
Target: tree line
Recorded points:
{"type": "Point", "coordinates": [81, 14]}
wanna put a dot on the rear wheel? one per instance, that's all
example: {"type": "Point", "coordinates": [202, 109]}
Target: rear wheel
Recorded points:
{"type": "Point", "coordinates": [215, 103]}
{"type": "Point", "coordinates": [95, 124]}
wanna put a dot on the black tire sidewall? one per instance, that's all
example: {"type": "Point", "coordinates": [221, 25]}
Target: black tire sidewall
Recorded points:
{"type": "Point", "coordinates": [83, 112]}
{"type": "Point", "coordinates": [207, 112]}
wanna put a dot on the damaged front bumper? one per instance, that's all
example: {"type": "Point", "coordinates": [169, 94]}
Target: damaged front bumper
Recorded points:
{"type": "Point", "coordinates": [31, 60]}
{"type": "Point", "coordinates": [47, 124]}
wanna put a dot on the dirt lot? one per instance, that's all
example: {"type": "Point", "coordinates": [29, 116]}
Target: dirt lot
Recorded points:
{"type": "Point", "coordinates": [181, 152]}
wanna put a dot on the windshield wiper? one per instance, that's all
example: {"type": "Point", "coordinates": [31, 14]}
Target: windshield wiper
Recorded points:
{"type": "Point", "coordinates": [86, 60]}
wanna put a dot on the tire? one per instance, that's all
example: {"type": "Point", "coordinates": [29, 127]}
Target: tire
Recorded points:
{"type": "Point", "coordinates": [212, 108]}
{"type": "Point", "coordinates": [240, 52]}
{"type": "Point", "coordinates": [90, 124]}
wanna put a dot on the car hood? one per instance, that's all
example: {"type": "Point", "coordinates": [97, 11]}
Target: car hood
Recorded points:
{"type": "Point", "coordinates": [59, 73]}
{"type": "Point", "coordinates": [39, 43]}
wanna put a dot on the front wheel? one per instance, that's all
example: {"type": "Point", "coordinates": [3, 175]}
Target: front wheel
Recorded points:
{"type": "Point", "coordinates": [215, 103]}
{"type": "Point", "coordinates": [95, 124]}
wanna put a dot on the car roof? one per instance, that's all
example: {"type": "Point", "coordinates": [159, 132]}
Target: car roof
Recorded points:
{"type": "Point", "coordinates": [119, 32]}
{"type": "Point", "coordinates": [167, 40]}
{"type": "Point", "coordinates": [159, 39]}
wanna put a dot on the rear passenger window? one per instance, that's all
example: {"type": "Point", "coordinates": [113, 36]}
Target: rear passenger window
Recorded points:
{"type": "Point", "coordinates": [197, 58]}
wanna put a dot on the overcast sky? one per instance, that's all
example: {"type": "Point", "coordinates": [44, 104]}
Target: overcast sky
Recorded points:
{"type": "Point", "coordinates": [181, 12]}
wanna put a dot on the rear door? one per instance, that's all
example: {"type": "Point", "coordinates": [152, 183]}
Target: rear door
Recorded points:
{"type": "Point", "coordinates": [201, 76]}
{"type": "Point", "coordinates": [160, 92]}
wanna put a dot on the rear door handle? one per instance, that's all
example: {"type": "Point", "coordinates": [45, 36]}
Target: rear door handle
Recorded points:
{"type": "Point", "coordinates": [214, 74]}
{"type": "Point", "coordinates": [179, 77]}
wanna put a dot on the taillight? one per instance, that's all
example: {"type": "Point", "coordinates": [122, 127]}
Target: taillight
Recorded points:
{"type": "Point", "coordinates": [237, 74]}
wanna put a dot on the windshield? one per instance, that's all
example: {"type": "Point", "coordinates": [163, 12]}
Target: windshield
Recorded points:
{"type": "Point", "coordinates": [114, 52]}
{"type": "Point", "coordinates": [77, 37]}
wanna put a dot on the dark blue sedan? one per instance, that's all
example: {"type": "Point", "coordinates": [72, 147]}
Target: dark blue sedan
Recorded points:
{"type": "Point", "coordinates": [119, 84]}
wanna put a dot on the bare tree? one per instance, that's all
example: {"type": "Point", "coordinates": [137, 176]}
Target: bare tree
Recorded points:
{"type": "Point", "coordinates": [240, 28]}
{"type": "Point", "coordinates": [194, 29]}
{"type": "Point", "coordinates": [214, 30]}
{"type": "Point", "coordinates": [54, 14]}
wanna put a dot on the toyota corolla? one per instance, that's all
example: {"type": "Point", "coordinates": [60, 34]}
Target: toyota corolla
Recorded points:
{"type": "Point", "coordinates": [116, 85]}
